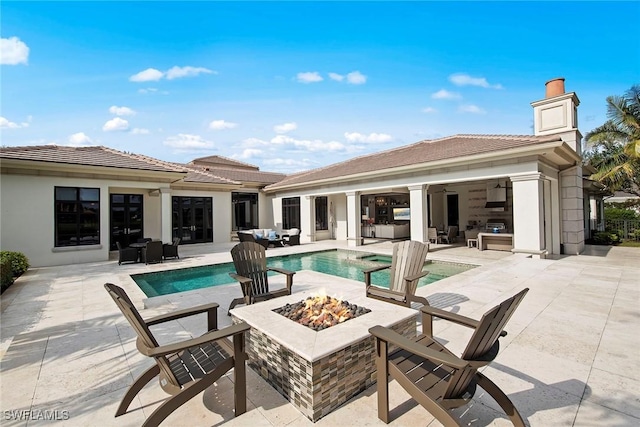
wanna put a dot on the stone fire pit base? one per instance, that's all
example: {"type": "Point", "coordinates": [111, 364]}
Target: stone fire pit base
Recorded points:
{"type": "Point", "coordinates": [292, 357]}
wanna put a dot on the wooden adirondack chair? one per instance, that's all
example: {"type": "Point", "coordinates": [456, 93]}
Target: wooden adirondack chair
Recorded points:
{"type": "Point", "coordinates": [436, 378]}
{"type": "Point", "coordinates": [250, 260]}
{"type": "Point", "coordinates": [185, 368]}
{"type": "Point", "coordinates": [405, 269]}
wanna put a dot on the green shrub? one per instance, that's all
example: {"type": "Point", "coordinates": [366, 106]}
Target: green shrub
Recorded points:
{"type": "Point", "coordinates": [18, 261]}
{"type": "Point", "coordinates": [605, 238]}
{"type": "Point", "coordinates": [620, 213]}
{"type": "Point", "coordinates": [6, 275]}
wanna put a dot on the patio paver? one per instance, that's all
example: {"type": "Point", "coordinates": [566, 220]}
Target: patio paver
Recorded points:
{"type": "Point", "coordinates": [571, 358]}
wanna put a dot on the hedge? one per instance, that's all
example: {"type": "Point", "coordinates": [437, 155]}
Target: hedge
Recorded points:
{"type": "Point", "coordinates": [12, 265]}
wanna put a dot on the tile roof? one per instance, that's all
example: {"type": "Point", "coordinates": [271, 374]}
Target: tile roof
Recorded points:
{"type": "Point", "coordinates": [418, 153]}
{"type": "Point", "coordinates": [237, 175]}
{"type": "Point", "coordinates": [88, 156]}
{"type": "Point", "coordinates": [220, 161]}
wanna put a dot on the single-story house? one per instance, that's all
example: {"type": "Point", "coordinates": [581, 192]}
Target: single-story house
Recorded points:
{"type": "Point", "coordinates": [62, 205]}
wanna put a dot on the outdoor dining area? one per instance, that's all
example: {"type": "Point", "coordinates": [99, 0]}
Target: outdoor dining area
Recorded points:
{"type": "Point", "coordinates": [148, 251]}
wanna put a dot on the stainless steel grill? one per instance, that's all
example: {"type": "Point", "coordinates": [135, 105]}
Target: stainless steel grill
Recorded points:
{"type": "Point", "coordinates": [495, 224]}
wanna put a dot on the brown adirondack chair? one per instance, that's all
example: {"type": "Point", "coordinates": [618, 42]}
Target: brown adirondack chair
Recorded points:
{"type": "Point", "coordinates": [188, 367]}
{"type": "Point", "coordinates": [436, 378]}
{"type": "Point", "coordinates": [405, 269]}
{"type": "Point", "coordinates": [250, 260]}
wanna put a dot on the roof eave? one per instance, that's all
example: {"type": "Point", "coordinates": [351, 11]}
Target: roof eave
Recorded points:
{"type": "Point", "coordinates": [564, 151]}
{"type": "Point", "coordinates": [62, 168]}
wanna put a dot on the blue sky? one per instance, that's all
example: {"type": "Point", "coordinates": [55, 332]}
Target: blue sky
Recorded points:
{"type": "Point", "coordinates": [297, 85]}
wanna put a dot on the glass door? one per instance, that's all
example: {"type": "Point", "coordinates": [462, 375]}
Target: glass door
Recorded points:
{"type": "Point", "coordinates": [126, 219]}
{"type": "Point", "coordinates": [192, 219]}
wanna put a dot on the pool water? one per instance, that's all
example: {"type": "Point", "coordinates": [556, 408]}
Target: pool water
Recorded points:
{"type": "Point", "coordinates": [342, 263]}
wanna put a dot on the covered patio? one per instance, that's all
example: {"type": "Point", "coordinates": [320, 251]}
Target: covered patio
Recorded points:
{"type": "Point", "coordinates": [570, 357]}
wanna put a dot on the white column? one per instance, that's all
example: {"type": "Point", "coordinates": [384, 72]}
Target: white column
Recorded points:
{"type": "Point", "coordinates": [528, 214]}
{"type": "Point", "coordinates": [307, 226]}
{"type": "Point", "coordinates": [419, 215]}
{"type": "Point", "coordinates": [353, 219]}
{"type": "Point", "coordinates": [311, 224]}
{"type": "Point", "coordinates": [165, 215]}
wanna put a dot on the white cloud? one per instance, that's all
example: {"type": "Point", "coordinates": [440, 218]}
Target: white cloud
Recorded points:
{"type": "Point", "coordinates": [121, 111]}
{"type": "Point", "coordinates": [249, 153]}
{"type": "Point", "coordinates": [253, 142]}
{"type": "Point", "coordinates": [310, 145]}
{"type": "Point", "coordinates": [356, 78]}
{"type": "Point", "coordinates": [309, 77]}
{"type": "Point", "coordinates": [429, 110]}
{"type": "Point", "coordinates": [461, 79]}
{"type": "Point", "coordinates": [13, 51]}
{"type": "Point", "coordinates": [474, 109]}
{"type": "Point", "coordinates": [221, 125]}
{"type": "Point", "coordinates": [445, 94]}
{"type": "Point", "coordinates": [7, 124]}
{"type": "Point", "coordinates": [79, 139]}
{"type": "Point", "coordinates": [304, 163]}
{"type": "Point", "coordinates": [285, 127]}
{"type": "Point", "coordinates": [140, 131]}
{"type": "Point", "coordinates": [372, 137]}
{"type": "Point", "coordinates": [185, 141]}
{"type": "Point", "coordinates": [337, 77]}
{"type": "Point", "coordinates": [176, 72]}
{"type": "Point", "coordinates": [115, 124]}
{"type": "Point", "coordinates": [148, 75]}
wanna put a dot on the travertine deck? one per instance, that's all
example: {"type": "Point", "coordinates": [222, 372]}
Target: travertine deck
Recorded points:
{"type": "Point", "coordinates": [572, 356]}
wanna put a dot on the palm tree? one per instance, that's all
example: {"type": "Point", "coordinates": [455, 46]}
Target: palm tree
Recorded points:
{"type": "Point", "coordinates": [615, 146]}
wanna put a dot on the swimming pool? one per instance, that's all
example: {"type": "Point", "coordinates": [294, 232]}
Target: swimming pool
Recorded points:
{"type": "Point", "coordinates": [342, 263]}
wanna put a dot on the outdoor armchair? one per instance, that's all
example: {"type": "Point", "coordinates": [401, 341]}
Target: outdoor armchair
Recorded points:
{"type": "Point", "coordinates": [185, 368]}
{"type": "Point", "coordinates": [405, 271]}
{"type": "Point", "coordinates": [435, 377]}
{"type": "Point", "coordinates": [170, 250]}
{"type": "Point", "coordinates": [250, 261]}
{"type": "Point", "coordinates": [126, 254]}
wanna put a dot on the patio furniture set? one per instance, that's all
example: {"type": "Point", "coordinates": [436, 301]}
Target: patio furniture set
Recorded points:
{"type": "Point", "coordinates": [148, 251]}
{"type": "Point", "coordinates": [269, 237]}
{"type": "Point", "coordinates": [435, 377]}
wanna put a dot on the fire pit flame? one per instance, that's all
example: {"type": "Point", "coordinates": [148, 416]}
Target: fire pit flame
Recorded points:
{"type": "Point", "coordinates": [321, 312]}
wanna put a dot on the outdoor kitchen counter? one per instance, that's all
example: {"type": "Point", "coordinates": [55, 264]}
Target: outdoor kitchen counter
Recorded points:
{"type": "Point", "coordinates": [495, 241]}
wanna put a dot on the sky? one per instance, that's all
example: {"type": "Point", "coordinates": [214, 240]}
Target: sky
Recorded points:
{"type": "Point", "coordinates": [291, 86]}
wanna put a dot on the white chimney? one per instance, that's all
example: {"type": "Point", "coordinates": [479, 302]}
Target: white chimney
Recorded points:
{"type": "Point", "coordinates": [557, 114]}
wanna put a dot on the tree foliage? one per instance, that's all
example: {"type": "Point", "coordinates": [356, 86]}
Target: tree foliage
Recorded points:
{"type": "Point", "coordinates": [614, 147]}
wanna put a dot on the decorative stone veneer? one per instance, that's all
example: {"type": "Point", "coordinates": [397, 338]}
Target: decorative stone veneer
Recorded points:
{"type": "Point", "coordinates": [319, 371]}
{"type": "Point", "coordinates": [318, 387]}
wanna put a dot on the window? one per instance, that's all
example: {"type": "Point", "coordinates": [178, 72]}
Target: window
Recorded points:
{"type": "Point", "coordinates": [77, 216]}
{"type": "Point", "coordinates": [322, 222]}
{"type": "Point", "coordinates": [291, 212]}
{"type": "Point", "coordinates": [245, 211]}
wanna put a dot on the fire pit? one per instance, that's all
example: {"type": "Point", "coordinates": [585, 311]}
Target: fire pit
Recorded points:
{"type": "Point", "coordinates": [321, 312]}
{"type": "Point", "coordinates": [317, 371]}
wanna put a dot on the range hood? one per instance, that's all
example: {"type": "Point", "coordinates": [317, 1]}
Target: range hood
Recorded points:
{"type": "Point", "coordinates": [496, 196]}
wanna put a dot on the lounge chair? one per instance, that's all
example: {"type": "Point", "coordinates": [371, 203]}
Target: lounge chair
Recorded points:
{"type": "Point", "coordinates": [126, 254]}
{"type": "Point", "coordinates": [152, 252]}
{"type": "Point", "coordinates": [185, 368]}
{"type": "Point", "coordinates": [405, 271]}
{"type": "Point", "coordinates": [250, 261]}
{"type": "Point", "coordinates": [170, 250]}
{"type": "Point", "coordinates": [435, 377]}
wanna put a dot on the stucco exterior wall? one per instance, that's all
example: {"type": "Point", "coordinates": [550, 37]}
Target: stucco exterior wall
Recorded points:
{"type": "Point", "coordinates": [27, 217]}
